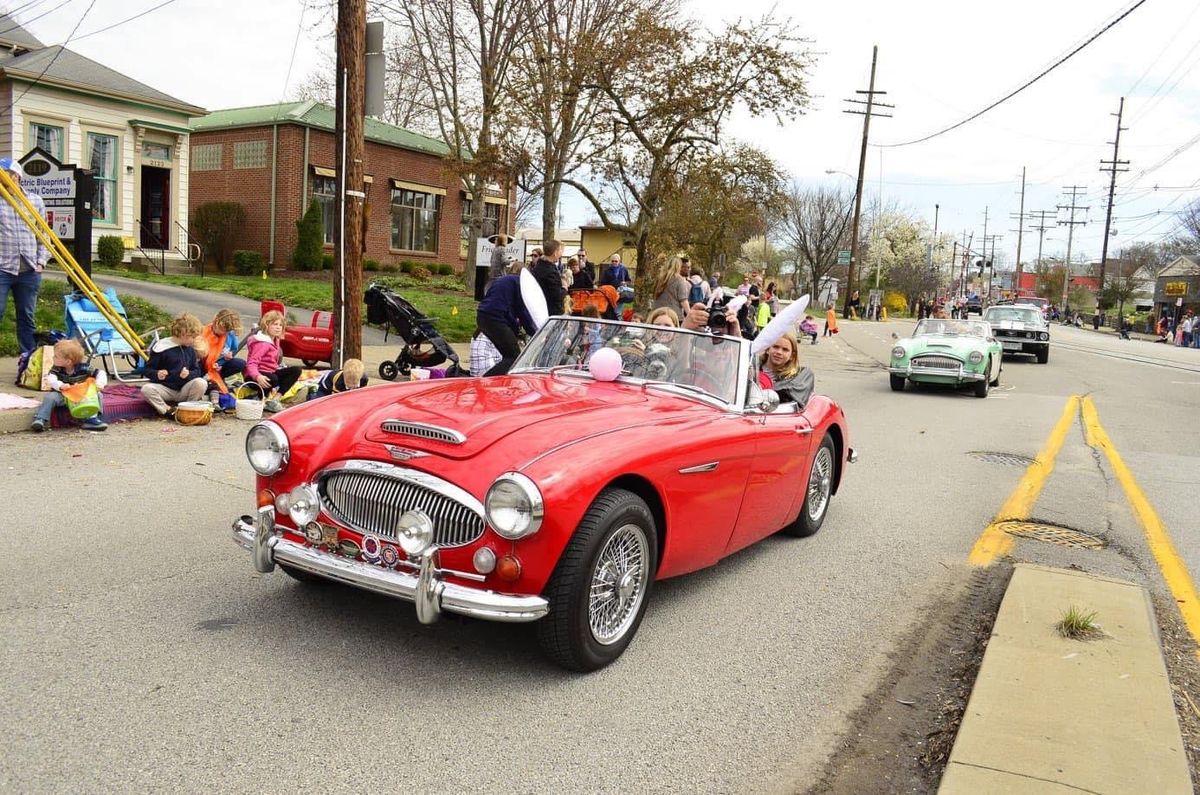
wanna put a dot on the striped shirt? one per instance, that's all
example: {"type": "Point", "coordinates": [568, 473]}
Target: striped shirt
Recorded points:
{"type": "Point", "coordinates": [17, 241]}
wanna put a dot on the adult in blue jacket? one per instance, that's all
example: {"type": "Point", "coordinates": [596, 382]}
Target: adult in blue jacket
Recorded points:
{"type": "Point", "coordinates": [501, 314]}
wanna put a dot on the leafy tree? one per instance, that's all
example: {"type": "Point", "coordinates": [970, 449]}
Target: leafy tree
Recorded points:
{"type": "Point", "coordinates": [310, 238]}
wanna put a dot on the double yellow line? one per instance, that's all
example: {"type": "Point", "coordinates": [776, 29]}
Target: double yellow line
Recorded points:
{"type": "Point", "coordinates": [994, 542]}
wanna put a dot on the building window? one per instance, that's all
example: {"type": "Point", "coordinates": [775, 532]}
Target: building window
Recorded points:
{"type": "Point", "coordinates": [207, 157]}
{"type": "Point", "coordinates": [49, 137]}
{"type": "Point", "coordinates": [324, 190]}
{"type": "Point", "coordinates": [153, 151]}
{"type": "Point", "coordinates": [102, 158]}
{"type": "Point", "coordinates": [250, 154]}
{"type": "Point", "coordinates": [415, 220]}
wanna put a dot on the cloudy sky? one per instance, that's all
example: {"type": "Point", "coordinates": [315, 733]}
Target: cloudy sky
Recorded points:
{"type": "Point", "coordinates": [939, 60]}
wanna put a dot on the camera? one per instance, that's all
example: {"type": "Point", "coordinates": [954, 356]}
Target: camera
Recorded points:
{"type": "Point", "coordinates": [716, 316]}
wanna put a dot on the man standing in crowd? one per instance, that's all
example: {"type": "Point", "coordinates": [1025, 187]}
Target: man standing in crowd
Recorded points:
{"type": "Point", "coordinates": [22, 257]}
{"type": "Point", "coordinates": [545, 270]}
{"type": "Point", "coordinates": [616, 273]}
{"type": "Point", "coordinates": [587, 266]}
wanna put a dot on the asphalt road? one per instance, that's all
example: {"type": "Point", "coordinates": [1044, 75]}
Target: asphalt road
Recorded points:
{"type": "Point", "coordinates": [143, 652]}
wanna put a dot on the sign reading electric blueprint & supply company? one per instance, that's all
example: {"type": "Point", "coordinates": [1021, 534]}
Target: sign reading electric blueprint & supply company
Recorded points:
{"type": "Point", "coordinates": [48, 178]}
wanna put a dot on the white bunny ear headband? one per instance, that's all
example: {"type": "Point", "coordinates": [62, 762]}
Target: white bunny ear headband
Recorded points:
{"type": "Point", "coordinates": [534, 298]}
{"type": "Point", "coordinates": [782, 323]}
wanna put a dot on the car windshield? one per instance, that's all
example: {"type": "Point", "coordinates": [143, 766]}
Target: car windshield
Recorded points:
{"type": "Point", "coordinates": [693, 362]}
{"type": "Point", "coordinates": [961, 328]}
{"type": "Point", "coordinates": [1020, 314]}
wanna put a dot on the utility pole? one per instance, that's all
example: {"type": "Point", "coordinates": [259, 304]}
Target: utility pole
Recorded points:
{"type": "Point", "coordinates": [990, 261]}
{"type": "Point", "coordinates": [1040, 228]}
{"type": "Point", "coordinates": [871, 104]}
{"type": "Point", "coordinates": [983, 300]}
{"type": "Point", "coordinates": [1020, 217]}
{"type": "Point", "coordinates": [1070, 223]}
{"type": "Point", "coordinates": [351, 199]}
{"type": "Point", "coordinates": [966, 267]}
{"type": "Point", "coordinates": [1112, 167]}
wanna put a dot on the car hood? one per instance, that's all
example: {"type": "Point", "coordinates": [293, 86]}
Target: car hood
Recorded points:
{"type": "Point", "coordinates": [942, 343]}
{"type": "Point", "coordinates": [482, 411]}
{"type": "Point", "coordinates": [1016, 325]}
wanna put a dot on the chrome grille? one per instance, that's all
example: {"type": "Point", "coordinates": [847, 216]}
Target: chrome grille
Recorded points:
{"type": "Point", "coordinates": [372, 502]}
{"type": "Point", "coordinates": [941, 362]}
{"type": "Point", "coordinates": [423, 431]}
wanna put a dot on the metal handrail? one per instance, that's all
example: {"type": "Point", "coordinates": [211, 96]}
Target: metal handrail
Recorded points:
{"type": "Point", "coordinates": [189, 246]}
{"type": "Point", "coordinates": [162, 255]}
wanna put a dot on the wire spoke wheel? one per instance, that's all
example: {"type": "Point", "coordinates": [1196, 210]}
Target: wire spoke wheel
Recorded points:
{"type": "Point", "coordinates": [820, 483]}
{"type": "Point", "coordinates": [618, 583]}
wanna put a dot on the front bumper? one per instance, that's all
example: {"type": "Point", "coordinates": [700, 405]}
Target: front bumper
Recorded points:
{"type": "Point", "coordinates": [957, 373]}
{"type": "Point", "coordinates": [426, 588]}
{"type": "Point", "coordinates": [1021, 345]}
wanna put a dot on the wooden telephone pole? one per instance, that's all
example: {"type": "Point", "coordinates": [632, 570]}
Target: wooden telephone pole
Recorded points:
{"type": "Point", "coordinates": [1113, 167]}
{"type": "Point", "coordinates": [871, 104]}
{"type": "Point", "coordinates": [351, 199]}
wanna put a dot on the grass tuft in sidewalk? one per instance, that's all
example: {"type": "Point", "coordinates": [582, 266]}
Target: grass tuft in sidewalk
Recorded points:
{"type": "Point", "coordinates": [1078, 624]}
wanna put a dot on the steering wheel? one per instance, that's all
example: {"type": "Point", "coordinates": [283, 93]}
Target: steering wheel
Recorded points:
{"type": "Point", "coordinates": [700, 378]}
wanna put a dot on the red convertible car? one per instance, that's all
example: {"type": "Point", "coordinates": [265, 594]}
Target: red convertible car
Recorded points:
{"type": "Point", "coordinates": [550, 494]}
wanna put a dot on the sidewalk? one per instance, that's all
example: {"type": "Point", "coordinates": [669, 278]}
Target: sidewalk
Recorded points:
{"type": "Point", "coordinates": [18, 419]}
{"type": "Point", "coordinates": [1050, 714]}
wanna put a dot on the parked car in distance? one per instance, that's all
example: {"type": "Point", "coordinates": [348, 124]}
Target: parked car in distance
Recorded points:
{"type": "Point", "coordinates": [975, 304]}
{"type": "Point", "coordinates": [950, 352]}
{"type": "Point", "coordinates": [1043, 304]}
{"type": "Point", "coordinates": [549, 495]}
{"type": "Point", "coordinates": [1020, 328]}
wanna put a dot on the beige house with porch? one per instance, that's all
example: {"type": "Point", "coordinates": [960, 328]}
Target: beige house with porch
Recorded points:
{"type": "Point", "coordinates": [135, 138]}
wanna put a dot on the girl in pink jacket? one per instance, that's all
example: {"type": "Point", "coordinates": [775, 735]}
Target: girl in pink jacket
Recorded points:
{"type": "Point", "coordinates": [265, 355]}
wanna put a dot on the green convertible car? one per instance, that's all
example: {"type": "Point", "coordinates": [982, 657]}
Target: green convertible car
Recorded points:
{"type": "Point", "coordinates": [952, 352]}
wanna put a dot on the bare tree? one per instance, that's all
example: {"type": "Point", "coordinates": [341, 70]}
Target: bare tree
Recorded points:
{"type": "Point", "coordinates": [816, 225]}
{"type": "Point", "coordinates": [466, 50]}
{"type": "Point", "coordinates": [665, 96]}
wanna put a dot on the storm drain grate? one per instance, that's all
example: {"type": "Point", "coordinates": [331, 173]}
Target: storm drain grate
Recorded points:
{"type": "Point", "coordinates": [1008, 459]}
{"type": "Point", "coordinates": [1052, 534]}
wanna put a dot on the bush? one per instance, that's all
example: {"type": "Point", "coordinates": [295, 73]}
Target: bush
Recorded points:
{"type": "Point", "coordinates": [390, 267]}
{"type": "Point", "coordinates": [310, 237]}
{"type": "Point", "coordinates": [406, 266]}
{"type": "Point", "coordinates": [110, 250]}
{"type": "Point", "coordinates": [421, 273]}
{"type": "Point", "coordinates": [371, 265]}
{"type": "Point", "coordinates": [445, 270]}
{"type": "Point", "coordinates": [327, 262]}
{"type": "Point", "coordinates": [248, 263]}
{"type": "Point", "coordinates": [217, 225]}
{"type": "Point", "coordinates": [895, 303]}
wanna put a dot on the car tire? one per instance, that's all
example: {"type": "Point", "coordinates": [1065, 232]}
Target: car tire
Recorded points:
{"type": "Point", "coordinates": [981, 386]}
{"type": "Point", "coordinates": [897, 382]}
{"type": "Point", "coordinates": [308, 578]}
{"type": "Point", "coordinates": [1043, 355]}
{"type": "Point", "coordinates": [615, 545]}
{"type": "Point", "coordinates": [996, 382]}
{"type": "Point", "coordinates": [388, 370]}
{"type": "Point", "coordinates": [818, 491]}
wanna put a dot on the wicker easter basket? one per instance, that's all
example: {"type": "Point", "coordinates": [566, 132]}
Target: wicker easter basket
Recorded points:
{"type": "Point", "coordinates": [247, 407]}
{"type": "Point", "coordinates": [194, 412]}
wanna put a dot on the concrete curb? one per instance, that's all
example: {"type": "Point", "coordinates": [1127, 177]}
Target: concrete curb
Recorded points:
{"type": "Point", "coordinates": [1049, 714]}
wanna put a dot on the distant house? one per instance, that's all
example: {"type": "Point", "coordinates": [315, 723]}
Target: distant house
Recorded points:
{"type": "Point", "coordinates": [1177, 287]}
{"type": "Point", "coordinates": [601, 244]}
{"type": "Point", "coordinates": [135, 138]}
{"type": "Point", "coordinates": [277, 159]}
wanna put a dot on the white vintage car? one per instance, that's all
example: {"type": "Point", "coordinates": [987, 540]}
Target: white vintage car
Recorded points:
{"type": "Point", "coordinates": [1020, 328]}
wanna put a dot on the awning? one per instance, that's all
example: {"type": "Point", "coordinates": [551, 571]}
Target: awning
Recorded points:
{"type": "Point", "coordinates": [399, 184]}
{"type": "Point", "coordinates": [486, 199]}
{"type": "Point", "coordinates": [329, 172]}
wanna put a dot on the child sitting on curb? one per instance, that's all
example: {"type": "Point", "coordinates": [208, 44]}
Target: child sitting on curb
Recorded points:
{"type": "Point", "coordinates": [221, 341]}
{"type": "Point", "coordinates": [174, 368]}
{"type": "Point", "coordinates": [334, 381]}
{"type": "Point", "coordinates": [68, 370]}
{"type": "Point", "coordinates": [265, 353]}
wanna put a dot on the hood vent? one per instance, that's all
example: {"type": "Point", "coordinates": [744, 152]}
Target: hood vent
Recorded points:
{"type": "Point", "coordinates": [423, 431]}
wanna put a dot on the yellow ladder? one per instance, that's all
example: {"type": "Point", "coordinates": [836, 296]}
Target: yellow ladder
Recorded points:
{"type": "Point", "coordinates": [42, 231]}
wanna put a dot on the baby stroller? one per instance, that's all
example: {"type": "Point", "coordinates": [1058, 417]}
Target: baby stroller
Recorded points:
{"type": "Point", "coordinates": [605, 300]}
{"type": "Point", "coordinates": [423, 345]}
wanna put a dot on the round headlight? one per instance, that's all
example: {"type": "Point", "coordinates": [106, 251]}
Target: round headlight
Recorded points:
{"type": "Point", "coordinates": [303, 504]}
{"type": "Point", "coordinates": [1043, 336]}
{"type": "Point", "coordinates": [898, 352]}
{"type": "Point", "coordinates": [267, 448]}
{"type": "Point", "coordinates": [514, 506]}
{"type": "Point", "coordinates": [976, 357]}
{"type": "Point", "coordinates": [414, 532]}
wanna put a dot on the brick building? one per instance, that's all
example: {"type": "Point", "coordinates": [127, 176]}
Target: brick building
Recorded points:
{"type": "Point", "coordinates": [275, 159]}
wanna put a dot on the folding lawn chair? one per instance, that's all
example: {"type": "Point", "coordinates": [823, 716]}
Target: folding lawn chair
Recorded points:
{"type": "Point", "coordinates": [99, 339]}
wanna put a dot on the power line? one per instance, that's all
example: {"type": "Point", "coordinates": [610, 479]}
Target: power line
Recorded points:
{"type": "Point", "coordinates": [35, 19]}
{"type": "Point", "coordinates": [62, 47]}
{"type": "Point", "coordinates": [129, 19]}
{"type": "Point", "coordinates": [1012, 94]}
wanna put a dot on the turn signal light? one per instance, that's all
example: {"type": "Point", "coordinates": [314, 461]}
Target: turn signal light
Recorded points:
{"type": "Point", "coordinates": [509, 568]}
{"type": "Point", "coordinates": [266, 498]}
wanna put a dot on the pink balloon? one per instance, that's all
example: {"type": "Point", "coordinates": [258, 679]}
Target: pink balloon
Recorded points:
{"type": "Point", "coordinates": [605, 364]}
